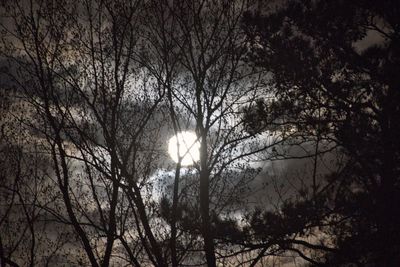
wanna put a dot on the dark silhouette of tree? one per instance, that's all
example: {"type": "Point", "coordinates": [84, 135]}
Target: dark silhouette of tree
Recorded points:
{"type": "Point", "coordinates": [334, 67]}
{"type": "Point", "coordinates": [73, 64]}
{"type": "Point", "coordinates": [197, 49]}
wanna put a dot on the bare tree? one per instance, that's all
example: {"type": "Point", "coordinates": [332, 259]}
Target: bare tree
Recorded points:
{"type": "Point", "coordinates": [105, 82]}
{"type": "Point", "coordinates": [198, 48]}
{"type": "Point", "coordinates": [93, 106]}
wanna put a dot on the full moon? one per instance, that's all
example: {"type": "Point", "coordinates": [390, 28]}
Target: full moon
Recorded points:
{"type": "Point", "coordinates": [188, 148]}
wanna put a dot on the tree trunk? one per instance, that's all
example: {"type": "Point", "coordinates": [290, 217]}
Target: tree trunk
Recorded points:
{"type": "Point", "coordinates": [205, 205]}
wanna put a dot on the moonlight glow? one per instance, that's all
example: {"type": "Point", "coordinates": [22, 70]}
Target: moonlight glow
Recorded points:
{"type": "Point", "coordinates": [188, 148]}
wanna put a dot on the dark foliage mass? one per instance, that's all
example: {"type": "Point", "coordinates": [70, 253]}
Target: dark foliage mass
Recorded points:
{"type": "Point", "coordinates": [91, 90]}
{"type": "Point", "coordinates": [335, 81]}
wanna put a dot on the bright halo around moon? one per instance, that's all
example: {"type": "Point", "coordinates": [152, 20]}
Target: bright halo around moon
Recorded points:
{"type": "Point", "coordinates": [189, 148]}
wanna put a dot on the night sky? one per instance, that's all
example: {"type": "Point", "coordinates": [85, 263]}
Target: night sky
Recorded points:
{"type": "Point", "coordinates": [199, 133]}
